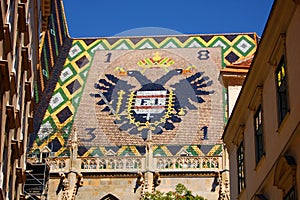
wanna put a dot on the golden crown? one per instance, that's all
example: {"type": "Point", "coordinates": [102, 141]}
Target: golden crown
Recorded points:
{"type": "Point", "coordinates": [156, 61]}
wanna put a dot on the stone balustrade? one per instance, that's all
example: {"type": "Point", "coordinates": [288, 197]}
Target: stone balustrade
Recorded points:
{"type": "Point", "coordinates": [137, 163]}
{"type": "Point", "coordinates": [58, 164]}
{"type": "Point", "coordinates": [189, 163]}
{"type": "Point", "coordinates": [112, 164]}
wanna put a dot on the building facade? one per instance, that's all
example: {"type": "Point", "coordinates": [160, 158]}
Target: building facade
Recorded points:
{"type": "Point", "coordinates": [262, 135]}
{"type": "Point", "coordinates": [20, 25]}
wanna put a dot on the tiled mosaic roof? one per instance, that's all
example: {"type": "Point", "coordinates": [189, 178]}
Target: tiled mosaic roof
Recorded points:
{"type": "Point", "coordinates": [57, 120]}
{"type": "Point", "coordinates": [52, 41]}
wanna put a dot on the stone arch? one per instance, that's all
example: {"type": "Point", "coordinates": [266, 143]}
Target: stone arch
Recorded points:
{"type": "Point", "coordinates": [109, 197]}
{"type": "Point", "coordinates": [119, 164]}
{"type": "Point", "coordinates": [285, 173]}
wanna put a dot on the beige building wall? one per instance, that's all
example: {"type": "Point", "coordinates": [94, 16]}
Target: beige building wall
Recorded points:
{"type": "Point", "coordinates": [277, 172]}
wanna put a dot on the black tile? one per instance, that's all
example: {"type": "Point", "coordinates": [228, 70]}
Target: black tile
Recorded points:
{"type": "Point", "coordinates": [159, 39]}
{"type": "Point", "coordinates": [82, 61]}
{"type": "Point", "coordinates": [230, 37]}
{"type": "Point", "coordinates": [88, 41]}
{"type": "Point", "coordinates": [54, 145]}
{"type": "Point", "coordinates": [232, 57]}
{"type": "Point", "coordinates": [206, 38]}
{"type": "Point", "coordinates": [111, 41]}
{"type": "Point", "coordinates": [251, 35]}
{"type": "Point", "coordinates": [82, 150]}
{"type": "Point", "coordinates": [174, 149]}
{"type": "Point", "coordinates": [64, 114]}
{"type": "Point", "coordinates": [206, 148]}
{"type": "Point", "coordinates": [182, 39]}
{"type": "Point", "coordinates": [135, 40]}
{"type": "Point", "coordinates": [74, 86]}
{"type": "Point", "coordinates": [141, 149]}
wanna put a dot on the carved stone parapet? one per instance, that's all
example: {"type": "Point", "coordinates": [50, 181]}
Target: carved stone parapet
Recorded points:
{"type": "Point", "coordinates": [188, 163]}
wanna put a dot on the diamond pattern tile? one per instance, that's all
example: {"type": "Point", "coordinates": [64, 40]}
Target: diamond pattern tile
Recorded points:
{"type": "Point", "coordinates": [232, 57]}
{"type": "Point", "coordinates": [64, 114]}
{"type": "Point", "coordinates": [65, 74]}
{"type": "Point", "coordinates": [56, 100]}
{"type": "Point", "coordinates": [75, 50]}
{"type": "Point", "coordinates": [73, 86]}
{"type": "Point", "coordinates": [82, 61]}
{"type": "Point", "coordinates": [220, 42]}
{"type": "Point", "coordinates": [244, 46]}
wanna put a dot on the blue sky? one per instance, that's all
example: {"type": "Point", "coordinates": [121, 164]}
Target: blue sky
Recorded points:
{"type": "Point", "coordinates": [101, 18]}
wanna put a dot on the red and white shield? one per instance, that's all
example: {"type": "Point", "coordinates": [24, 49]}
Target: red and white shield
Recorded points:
{"type": "Point", "coordinates": [150, 102]}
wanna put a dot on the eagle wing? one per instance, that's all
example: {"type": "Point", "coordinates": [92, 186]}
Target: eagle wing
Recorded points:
{"type": "Point", "coordinates": [191, 89]}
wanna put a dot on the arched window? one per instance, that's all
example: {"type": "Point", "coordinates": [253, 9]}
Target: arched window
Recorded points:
{"type": "Point", "coordinates": [189, 163]}
{"type": "Point", "coordinates": [102, 164]}
{"type": "Point", "coordinates": [111, 164]}
{"type": "Point", "coordinates": [93, 164]}
{"type": "Point", "coordinates": [109, 197]}
{"type": "Point", "coordinates": [168, 164]}
{"type": "Point", "coordinates": [129, 164]}
{"type": "Point", "coordinates": [178, 163]}
{"type": "Point", "coordinates": [53, 164]}
{"type": "Point", "coordinates": [119, 164]}
{"type": "Point", "coordinates": [205, 163]}
{"type": "Point", "coordinates": [160, 164]}
{"type": "Point", "coordinates": [215, 163]}
{"type": "Point", "coordinates": [195, 163]}
{"type": "Point", "coordinates": [84, 164]}
{"type": "Point", "coordinates": [137, 164]}
{"type": "Point", "coordinates": [185, 164]}
{"type": "Point", "coordinates": [61, 164]}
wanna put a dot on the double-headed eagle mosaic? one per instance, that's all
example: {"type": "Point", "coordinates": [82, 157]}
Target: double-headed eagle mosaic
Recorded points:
{"type": "Point", "coordinates": [150, 106]}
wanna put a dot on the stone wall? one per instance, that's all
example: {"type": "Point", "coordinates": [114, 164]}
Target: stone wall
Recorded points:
{"type": "Point", "coordinates": [95, 187]}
